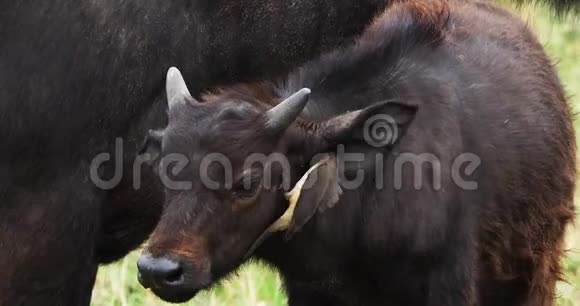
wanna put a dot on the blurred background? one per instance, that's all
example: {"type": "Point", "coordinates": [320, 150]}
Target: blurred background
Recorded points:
{"type": "Point", "coordinates": [257, 285]}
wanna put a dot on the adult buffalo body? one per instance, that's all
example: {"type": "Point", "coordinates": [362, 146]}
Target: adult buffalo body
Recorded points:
{"type": "Point", "coordinates": [464, 202]}
{"type": "Point", "coordinates": [75, 75]}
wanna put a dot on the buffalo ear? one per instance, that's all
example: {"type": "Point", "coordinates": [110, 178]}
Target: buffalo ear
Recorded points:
{"type": "Point", "coordinates": [316, 192]}
{"type": "Point", "coordinates": [380, 125]}
{"type": "Point", "coordinates": [150, 150]}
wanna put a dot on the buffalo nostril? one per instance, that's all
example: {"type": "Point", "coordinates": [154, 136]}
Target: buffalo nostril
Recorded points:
{"type": "Point", "coordinates": [159, 272]}
{"type": "Point", "coordinates": [174, 276]}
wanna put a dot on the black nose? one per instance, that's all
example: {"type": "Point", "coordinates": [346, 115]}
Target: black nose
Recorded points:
{"type": "Point", "coordinates": [160, 273]}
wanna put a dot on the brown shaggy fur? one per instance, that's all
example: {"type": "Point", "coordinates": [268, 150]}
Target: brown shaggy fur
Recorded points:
{"type": "Point", "coordinates": [482, 84]}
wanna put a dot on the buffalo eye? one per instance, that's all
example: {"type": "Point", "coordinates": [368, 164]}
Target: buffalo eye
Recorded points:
{"type": "Point", "coordinates": [247, 185]}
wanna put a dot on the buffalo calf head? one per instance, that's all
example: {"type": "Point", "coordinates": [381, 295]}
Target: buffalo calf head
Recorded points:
{"type": "Point", "coordinates": [228, 166]}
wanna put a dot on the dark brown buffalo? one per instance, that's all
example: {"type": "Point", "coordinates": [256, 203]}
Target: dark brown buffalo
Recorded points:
{"type": "Point", "coordinates": [455, 80]}
{"type": "Point", "coordinates": [76, 74]}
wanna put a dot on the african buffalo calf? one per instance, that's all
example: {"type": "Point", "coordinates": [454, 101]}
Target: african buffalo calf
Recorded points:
{"type": "Point", "coordinates": [452, 78]}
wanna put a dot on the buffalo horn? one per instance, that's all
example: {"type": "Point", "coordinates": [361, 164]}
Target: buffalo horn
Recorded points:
{"type": "Point", "coordinates": [283, 114]}
{"type": "Point", "coordinates": [177, 91]}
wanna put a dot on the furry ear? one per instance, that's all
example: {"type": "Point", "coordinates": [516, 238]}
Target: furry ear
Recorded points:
{"type": "Point", "coordinates": [379, 125]}
{"type": "Point", "coordinates": [150, 150]}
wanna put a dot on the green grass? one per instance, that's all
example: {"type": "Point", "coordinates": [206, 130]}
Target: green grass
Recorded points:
{"type": "Point", "coordinates": [254, 285]}
{"type": "Point", "coordinates": [257, 285]}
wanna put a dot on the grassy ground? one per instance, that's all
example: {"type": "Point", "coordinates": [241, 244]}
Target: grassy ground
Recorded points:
{"type": "Point", "coordinates": [254, 285]}
{"type": "Point", "coordinates": [258, 286]}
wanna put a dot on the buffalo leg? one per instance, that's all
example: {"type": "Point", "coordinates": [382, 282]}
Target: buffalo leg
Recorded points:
{"type": "Point", "coordinates": [47, 237]}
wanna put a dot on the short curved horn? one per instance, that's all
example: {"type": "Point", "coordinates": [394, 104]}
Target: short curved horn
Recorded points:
{"type": "Point", "coordinates": [176, 88]}
{"type": "Point", "coordinates": [283, 114]}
